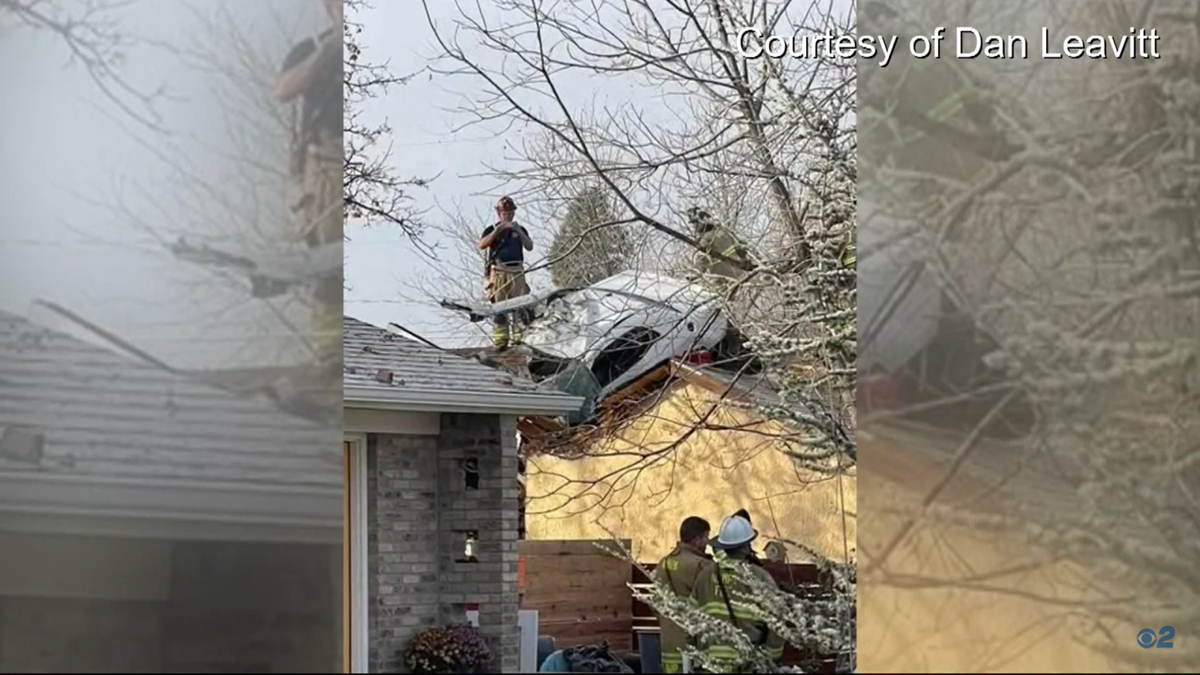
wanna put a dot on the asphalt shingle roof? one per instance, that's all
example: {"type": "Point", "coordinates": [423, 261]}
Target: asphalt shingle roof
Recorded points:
{"type": "Point", "coordinates": [370, 349]}
{"type": "Point", "coordinates": [103, 414]}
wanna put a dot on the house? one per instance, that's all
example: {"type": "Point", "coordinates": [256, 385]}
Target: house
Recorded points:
{"type": "Point", "coordinates": [676, 443]}
{"type": "Point", "coordinates": [153, 523]}
{"type": "Point", "coordinates": [432, 442]}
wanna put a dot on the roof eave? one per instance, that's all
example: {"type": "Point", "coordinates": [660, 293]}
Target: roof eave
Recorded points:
{"type": "Point", "coordinates": [425, 400]}
{"type": "Point", "coordinates": [74, 504]}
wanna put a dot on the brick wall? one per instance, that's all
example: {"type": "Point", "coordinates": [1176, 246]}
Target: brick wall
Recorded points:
{"type": "Point", "coordinates": [401, 543]}
{"type": "Point", "coordinates": [420, 508]}
{"type": "Point", "coordinates": [492, 511]}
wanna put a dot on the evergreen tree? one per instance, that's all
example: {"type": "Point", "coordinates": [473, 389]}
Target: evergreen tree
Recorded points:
{"type": "Point", "coordinates": [588, 246]}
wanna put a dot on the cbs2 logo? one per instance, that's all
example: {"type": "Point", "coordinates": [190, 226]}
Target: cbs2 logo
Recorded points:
{"type": "Point", "coordinates": [1163, 640]}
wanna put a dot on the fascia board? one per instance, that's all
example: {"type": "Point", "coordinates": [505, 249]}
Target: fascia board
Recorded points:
{"type": "Point", "coordinates": [260, 507]}
{"type": "Point", "coordinates": [418, 400]}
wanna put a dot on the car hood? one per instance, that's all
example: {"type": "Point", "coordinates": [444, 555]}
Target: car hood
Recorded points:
{"type": "Point", "coordinates": [575, 324]}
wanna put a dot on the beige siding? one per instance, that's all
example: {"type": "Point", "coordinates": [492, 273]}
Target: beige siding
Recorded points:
{"type": "Point", "coordinates": [1011, 623]}
{"type": "Point", "coordinates": [709, 473]}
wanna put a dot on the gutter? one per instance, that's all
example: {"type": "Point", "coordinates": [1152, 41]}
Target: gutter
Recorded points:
{"type": "Point", "coordinates": [411, 399]}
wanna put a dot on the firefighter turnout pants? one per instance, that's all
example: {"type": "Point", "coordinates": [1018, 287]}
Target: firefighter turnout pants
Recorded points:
{"type": "Point", "coordinates": [319, 214]}
{"type": "Point", "coordinates": [506, 281]}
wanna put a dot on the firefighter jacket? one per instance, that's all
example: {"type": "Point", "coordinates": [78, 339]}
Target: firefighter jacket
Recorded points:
{"type": "Point", "coordinates": [679, 570]}
{"type": "Point", "coordinates": [964, 139]}
{"type": "Point", "coordinates": [720, 594]}
{"type": "Point", "coordinates": [719, 242]}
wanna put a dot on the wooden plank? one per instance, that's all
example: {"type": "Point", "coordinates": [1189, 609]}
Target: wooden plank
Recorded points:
{"type": "Point", "coordinates": [580, 609]}
{"type": "Point", "coordinates": [579, 591]}
{"type": "Point", "coordinates": [578, 575]}
{"type": "Point", "coordinates": [541, 547]}
{"type": "Point", "coordinates": [583, 560]}
{"type": "Point", "coordinates": [631, 390]}
{"type": "Point", "coordinates": [576, 628]}
{"type": "Point", "coordinates": [549, 583]}
{"type": "Point", "coordinates": [580, 596]}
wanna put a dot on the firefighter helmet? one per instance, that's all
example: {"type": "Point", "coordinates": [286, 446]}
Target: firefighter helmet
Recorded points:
{"type": "Point", "coordinates": [735, 532]}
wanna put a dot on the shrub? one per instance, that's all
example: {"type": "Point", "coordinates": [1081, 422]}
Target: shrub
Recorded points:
{"type": "Point", "coordinates": [451, 649]}
{"type": "Point", "coordinates": [433, 650]}
{"type": "Point", "coordinates": [473, 650]}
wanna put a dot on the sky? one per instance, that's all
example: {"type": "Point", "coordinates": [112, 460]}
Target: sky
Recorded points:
{"type": "Point", "coordinates": [388, 278]}
{"type": "Point", "coordinates": [85, 190]}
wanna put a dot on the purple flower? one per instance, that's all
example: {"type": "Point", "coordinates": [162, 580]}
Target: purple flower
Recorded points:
{"type": "Point", "coordinates": [447, 650]}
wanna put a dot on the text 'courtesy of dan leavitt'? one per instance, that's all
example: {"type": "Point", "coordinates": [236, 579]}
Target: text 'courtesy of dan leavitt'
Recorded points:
{"type": "Point", "coordinates": [968, 43]}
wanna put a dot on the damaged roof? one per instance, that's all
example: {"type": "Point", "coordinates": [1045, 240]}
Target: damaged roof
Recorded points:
{"type": "Point", "coordinates": [623, 405]}
{"type": "Point", "coordinates": [69, 407]}
{"type": "Point", "coordinates": [383, 369]}
{"type": "Point", "coordinates": [734, 384]}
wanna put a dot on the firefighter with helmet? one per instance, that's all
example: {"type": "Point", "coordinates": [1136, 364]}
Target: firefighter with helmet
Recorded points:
{"type": "Point", "coordinates": [505, 242]}
{"type": "Point", "coordinates": [720, 593]}
{"type": "Point", "coordinates": [716, 243]}
{"type": "Point", "coordinates": [679, 570]}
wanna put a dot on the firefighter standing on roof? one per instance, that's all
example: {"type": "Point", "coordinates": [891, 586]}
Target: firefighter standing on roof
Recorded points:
{"type": "Point", "coordinates": [716, 240]}
{"type": "Point", "coordinates": [679, 571]}
{"type": "Point", "coordinates": [506, 243]}
{"type": "Point", "coordinates": [312, 72]}
{"type": "Point", "coordinates": [937, 121]}
{"type": "Point", "coordinates": [722, 595]}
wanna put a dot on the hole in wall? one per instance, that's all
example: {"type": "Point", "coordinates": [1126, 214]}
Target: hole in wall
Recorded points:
{"type": "Point", "coordinates": [470, 472]}
{"type": "Point", "coordinates": [470, 546]}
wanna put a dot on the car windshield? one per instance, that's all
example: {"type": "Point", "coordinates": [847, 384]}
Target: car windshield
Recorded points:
{"type": "Point", "coordinates": [576, 379]}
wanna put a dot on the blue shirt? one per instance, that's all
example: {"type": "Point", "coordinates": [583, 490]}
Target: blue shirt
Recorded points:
{"type": "Point", "coordinates": [507, 248]}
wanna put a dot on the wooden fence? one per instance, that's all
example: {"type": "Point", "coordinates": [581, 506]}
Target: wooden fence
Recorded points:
{"type": "Point", "coordinates": [579, 590]}
{"type": "Point", "coordinates": [583, 597]}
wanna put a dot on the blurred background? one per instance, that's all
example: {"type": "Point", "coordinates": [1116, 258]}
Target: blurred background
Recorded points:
{"type": "Point", "coordinates": [170, 467]}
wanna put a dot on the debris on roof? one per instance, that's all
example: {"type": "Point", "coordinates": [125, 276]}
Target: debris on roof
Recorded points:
{"type": "Point", "coordinates": [376, 358]}
{"type": "Point", "coordinates": [612, 413]}
{"type": "Point", "coordinates": [616, 329]}
{"type": "Point", "coordinates": [303, 390]}
{"type": "Point", "coordinates": [514, 361]}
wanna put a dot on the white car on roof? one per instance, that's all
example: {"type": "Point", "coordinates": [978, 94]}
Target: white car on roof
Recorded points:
{"type": "Point", "coordinates": [617, 329]}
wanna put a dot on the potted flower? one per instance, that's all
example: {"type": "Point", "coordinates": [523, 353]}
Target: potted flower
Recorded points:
{"type": "Point", "coordinates": [474, 655]}
{"type": "Point", "coordinates": [431, 651]}
{"type": "Point", "coordinates": [452, 649]}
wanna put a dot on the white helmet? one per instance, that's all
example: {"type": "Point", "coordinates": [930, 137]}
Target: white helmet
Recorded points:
{"type": "Point", "coordinates": [735, 532]}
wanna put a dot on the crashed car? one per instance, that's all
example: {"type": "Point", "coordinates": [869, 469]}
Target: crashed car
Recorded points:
{"type": "Point", "coordinates": [594, 340]}
{"type": "Point", "coordinates": [916, 348]}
